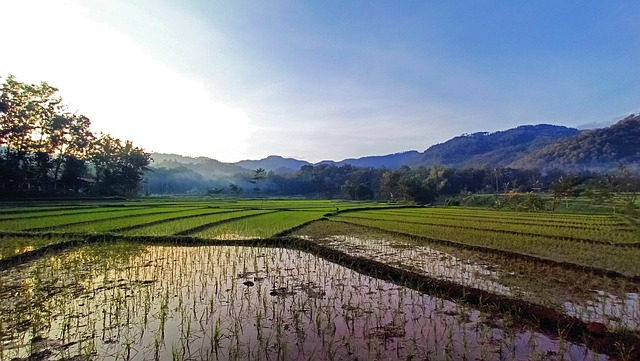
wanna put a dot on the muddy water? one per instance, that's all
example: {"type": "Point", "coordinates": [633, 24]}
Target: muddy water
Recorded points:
{"type": "Point", "coordinates": [117, 301]}
{"type": "Point", "coordinates": [587, 297]}
{"type": "Point", "coordinates": [424, 260]}
{"type": "Point", "coordinates": [619, 312]}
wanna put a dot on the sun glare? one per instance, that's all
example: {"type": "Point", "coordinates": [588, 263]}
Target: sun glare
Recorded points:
{"type": "Point", "coordinates": [121, 87]}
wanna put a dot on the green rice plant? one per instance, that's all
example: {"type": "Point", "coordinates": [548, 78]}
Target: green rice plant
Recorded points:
{"type": "Point", "coordinates": [45, 212]}
{"type": "Point", "coordinates": [263, 226]}
{"type": "Point", "coordinates": [565, 289]}
{"type": "Point", "coordinates": [606, 257]}
{"type": "Point", "coordinates": [12, 246]}
{"type": "Point", "coordinates": [510, 216]}
{"type": "Point", "coordinates": [181, 225]}
{"type": "Point", "coordinates": [584, 232]}
{"type": "Point", "coordinates": [56, 221]}
{"type": "Point", "coordinates": [116, 225]}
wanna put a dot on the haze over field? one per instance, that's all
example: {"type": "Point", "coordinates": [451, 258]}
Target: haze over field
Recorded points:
{"type": "Point", "coordinates": [313, 80]}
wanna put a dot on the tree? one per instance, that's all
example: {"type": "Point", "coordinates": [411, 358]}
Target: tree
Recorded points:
{"type": "Point", "coordinates": [215, 191]}
{"type": "Point", "coordinates": [258, 175]}
{"type": "Point", "coordinates": [235, 189]}
{"type": "Point", "coordinates": [74, 174]}
{"type": "Point", "coordinates": [119, 167]}
{"type": "Point", "coordinates": [563, 188]}
{"type": "Point", "coordinates": [497, 174]}
{"type": "Point", "coordinates": [70, 139]}
{"type": "Point", "coordinates": [42, 144]}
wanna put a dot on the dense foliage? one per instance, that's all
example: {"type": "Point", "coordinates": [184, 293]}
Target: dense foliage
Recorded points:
{"type": "Point", "coordinates": [491, 150]}
{"type": "Point", "coordinates": [598, 150]}
{"type": "Point", "coordinates": [45, 149]}
{"type": "Point", "coordinates": [509, 188]}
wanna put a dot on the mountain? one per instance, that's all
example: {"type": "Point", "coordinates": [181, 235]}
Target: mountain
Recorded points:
{"type": "Point", "coordinates": [490, 150]}
{"type": "Point", "coordinates": [391, 161]}
{"type": "Point", "coordinates": [540, 146]}
{"type": "Point", "coordinates": [207, 167]}
{"type": "Point", "coordinates": [598, 150]}
{"type": "Point", "coordinates": [273, 163]}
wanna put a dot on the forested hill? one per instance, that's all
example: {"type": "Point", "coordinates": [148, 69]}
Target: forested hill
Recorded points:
{"type": "Point", "coordinates": [490, 150]}
{"type": "Point", "coordinates": [390, 161]}
{"type": "Point", "coordinates": [273, 163]}
{"type": "Point", "coordinates": [526, 147]}
{"type": "Point", "coordinates": [598, 150]}
{"type": "Point", "coordinates": [210, 168]}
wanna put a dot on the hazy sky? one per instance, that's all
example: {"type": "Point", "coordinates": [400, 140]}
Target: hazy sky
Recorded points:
{"type": "Point", "coordinates": [234, 79]}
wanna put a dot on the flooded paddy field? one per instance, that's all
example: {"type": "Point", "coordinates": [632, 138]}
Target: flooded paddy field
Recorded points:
{"type": "Point", "coordinates": [610, 301]}
{"type": "Point", "coordinates": [145, 302]}
{"type": "Point", "coordinates": [289, 280]}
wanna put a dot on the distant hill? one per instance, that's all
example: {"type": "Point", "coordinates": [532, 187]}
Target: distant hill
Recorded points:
{"type": "Point", "coordinates": [391, 161]}
{"type": "Point", "coordinates": [273, 163]}
{"type": "Point", "coordinates": [490, 150]}
{"type": "Point", "coordinates": [540, 146]}
{"type": "Point", "coordinates": [206, 167]}
{"type": "Point", "coordinates": [598, 150]}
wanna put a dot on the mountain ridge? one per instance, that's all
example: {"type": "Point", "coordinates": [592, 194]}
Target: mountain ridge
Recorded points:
{"type": "Point", "coordinates": [523, 147]}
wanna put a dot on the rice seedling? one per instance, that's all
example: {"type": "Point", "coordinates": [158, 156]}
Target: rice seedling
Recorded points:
{"type": "Point", "coordinates": [57, 221]}
{"type": "Point", "coordinates": [263, 226]}
{"type": "Point", "coordinates": [134, 221]}
{"type": "Point", "coordinates": [180, 226]}
{"type": "Point", "coordinates": [302, 307]}
{"type": "Point", "coordinates": [15, 245]}
{"type": "Point", "coordinates": [606, 257]}
{"type": "Point", "coordinates": [131, 301]}
{"type": "Point", "coordinates": [614, 231]}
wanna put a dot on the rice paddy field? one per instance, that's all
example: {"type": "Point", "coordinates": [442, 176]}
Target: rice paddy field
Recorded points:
{"type": "Point", "coordinates": [166, 279]}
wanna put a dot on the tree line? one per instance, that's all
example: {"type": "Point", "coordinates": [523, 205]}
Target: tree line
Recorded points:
{"type": "Point", "coordinates": [46, 149]}
{"type": "Point", "coordinates": [518, 189]}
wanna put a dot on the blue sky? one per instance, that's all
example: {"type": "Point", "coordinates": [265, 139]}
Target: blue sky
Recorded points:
{"type": "Point", "coordinates": [320, 80]}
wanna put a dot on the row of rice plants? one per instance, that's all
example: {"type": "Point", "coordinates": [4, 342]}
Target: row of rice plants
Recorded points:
{"type": "Point", "coordinates": [14, 245]}
{"type": "Point", "coordinates": [533, 218]}
{"type": "Point", "coordinates": [116, 225]}
{"type": "Point", "coordinates": [63, 212]}
{"type": "Point", "coordinates": [590, 297]}
{"type": "Point", "coordinates": [495, 219]}
{"type": "Point", "coordinates": [623, 260]}
{"type": "Point", "coordinates": [55, 221]}
{"type": "Point", "coordinates": [8, 209]}
{"type": "Point", "coordinates": [295, 204]}
{"type": "Point", "coordinates": [179, 226]}
{"type": "Point", "coordinates": [601, 234]}
{"type": "Point", "coordinates": [546, 217]}
{"type": "Point", "coordinates": [555, 219]}
{"type": "Point", "coordinates": [263, 226]}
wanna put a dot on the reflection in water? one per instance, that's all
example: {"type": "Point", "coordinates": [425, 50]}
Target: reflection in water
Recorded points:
{"type": "Point", "coordinates": [219, 303]}
{"type": "Point", "coordinates": [620, 312]}
{"type": "Point", "coordinates": [616, 312]}
{"type": "Point", "coordinates": [424, 260]}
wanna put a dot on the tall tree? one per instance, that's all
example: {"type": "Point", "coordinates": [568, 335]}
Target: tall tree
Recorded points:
{"type": "Point", "coordinates": [119, 166]}
{"type": "Point", "coordinates": [259, 175]}
{"type": "Point", "coordinates": [70, 138]}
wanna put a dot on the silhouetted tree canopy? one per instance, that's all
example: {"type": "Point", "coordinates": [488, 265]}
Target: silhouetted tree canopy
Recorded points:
{"type": "Point", "coordinates": [47, 149]}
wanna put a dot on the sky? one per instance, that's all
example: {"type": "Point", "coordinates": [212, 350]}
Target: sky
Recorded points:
{"type": "Point", "coordinates": [317, 80]}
